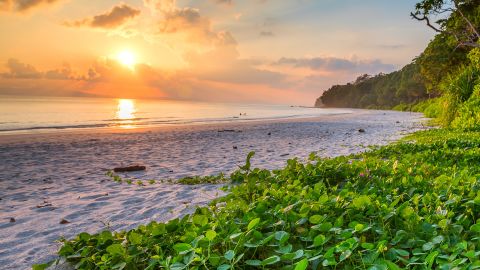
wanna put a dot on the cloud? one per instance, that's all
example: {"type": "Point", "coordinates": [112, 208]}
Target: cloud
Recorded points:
{"type": "Point", "coordinates": [392, 46]}
{"type": "Point", "coordinates": [226, 2]}
{"type": "Point", "coordinates": [186, 21]}
{"type": "Point", "coordinates": [63, 73]}
{"type": "Point", "coordinates": [336, 64]}
{"type": "Point", "coordinates": [117, 16]}
{"type": "Point", "coordinates": [19, 70]}
{"type": "Point", "coordinates": [267, 34]}
{"type": "Point", "coordinates": [23, 5]}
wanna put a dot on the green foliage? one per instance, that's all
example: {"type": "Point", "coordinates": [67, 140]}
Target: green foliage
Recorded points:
{"type": "Point", "coordinates": [195, 180]}
{"type": "Point", "coordinates": [431, 108]}
{"type": "Point", "coordinates": [411, 205]}
{"type": "Point", "coordinates": [438, 60]}
{"type": "Point", "coordinates": [380, 91]}
{"type": "Point", "coordinates": [461, 108]}
{"type": "Point", "coordinates": [469, 112]}
{"type": "Point", "coordinates": [188, 180]}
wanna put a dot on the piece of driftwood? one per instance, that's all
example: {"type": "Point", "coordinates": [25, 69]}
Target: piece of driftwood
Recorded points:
{"type": "Point", "coordinates": [130, 168]}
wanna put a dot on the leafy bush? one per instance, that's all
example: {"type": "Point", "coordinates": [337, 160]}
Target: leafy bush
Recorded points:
{"type": "Point", "coordinates": [469, 112]}
{"type": "Point", "coordinates": [407, 205]}
{"type": "Point", "coordinates": [459, 88]}
{"type": "Point", "coordinates": [432, 108]}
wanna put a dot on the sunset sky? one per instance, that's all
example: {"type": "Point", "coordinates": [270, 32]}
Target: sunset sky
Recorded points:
{"type": "Point", "coordinates": [280, 51]}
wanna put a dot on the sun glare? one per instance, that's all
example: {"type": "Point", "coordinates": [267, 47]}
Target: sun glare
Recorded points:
{"type": "Point", "coordinates": [127, 58]}
{"type": "Point", "coordinates": [126, 109]}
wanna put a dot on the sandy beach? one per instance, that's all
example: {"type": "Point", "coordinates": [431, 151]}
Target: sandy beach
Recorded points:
{"type": "Point", "coordinates": [47, 178]}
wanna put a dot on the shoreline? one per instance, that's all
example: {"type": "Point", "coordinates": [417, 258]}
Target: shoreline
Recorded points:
{"type": "Point", "coordinates": [45, 179]}
{"type": "Point", "coordinates": [29, 134]}
{"type": "Point", "coordinates": [40, 135]}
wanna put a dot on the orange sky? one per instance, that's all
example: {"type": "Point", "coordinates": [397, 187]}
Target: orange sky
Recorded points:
{"type": "Point", "coordinates": [211, 50]}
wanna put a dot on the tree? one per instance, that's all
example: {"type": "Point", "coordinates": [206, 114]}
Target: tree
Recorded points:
{"type": "Point", "coordinates": [457, 18]}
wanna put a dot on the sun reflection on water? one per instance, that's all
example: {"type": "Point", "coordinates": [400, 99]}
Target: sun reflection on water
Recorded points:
{"type": "Point", "coordinates": [126, 110]}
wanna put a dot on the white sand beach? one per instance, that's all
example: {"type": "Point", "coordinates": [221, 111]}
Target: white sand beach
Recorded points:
{"type": "Point", "coordinates": [45, 178]}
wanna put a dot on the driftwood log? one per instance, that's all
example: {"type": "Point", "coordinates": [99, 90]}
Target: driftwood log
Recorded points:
{"type": "Point", "coordinates": [130, 168]}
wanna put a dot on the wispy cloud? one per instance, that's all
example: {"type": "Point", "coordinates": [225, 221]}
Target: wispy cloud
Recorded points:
{"type": "Point", "coordinates": [337, 64]}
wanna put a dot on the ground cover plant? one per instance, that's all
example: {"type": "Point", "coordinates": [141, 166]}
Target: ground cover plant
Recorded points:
{"type": "Point", "coordinates": [410, 205]}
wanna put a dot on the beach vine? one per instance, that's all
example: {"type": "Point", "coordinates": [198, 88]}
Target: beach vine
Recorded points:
{"type": "Point", "coordinates": [409, 205]}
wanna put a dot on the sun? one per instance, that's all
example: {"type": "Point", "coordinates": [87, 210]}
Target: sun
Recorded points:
{"type": "Point", "coordinates": [127, 58]}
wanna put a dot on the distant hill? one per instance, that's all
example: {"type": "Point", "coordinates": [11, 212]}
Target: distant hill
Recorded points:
{"type": "Point", "coordinates": [382, 91]}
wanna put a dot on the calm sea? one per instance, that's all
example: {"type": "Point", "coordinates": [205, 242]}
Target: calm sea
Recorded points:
{"type": "Point", "coordinates": [43, 114]}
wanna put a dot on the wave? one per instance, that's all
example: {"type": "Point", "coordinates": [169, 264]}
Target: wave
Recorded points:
{"type": "Point", "coordinates": [149, 122]}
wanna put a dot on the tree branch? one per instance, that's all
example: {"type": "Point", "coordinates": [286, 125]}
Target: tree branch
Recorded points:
{"type": "Point", "coordinates": [425, 18]}
{"type": "Point", "coordinates": [472, 27]}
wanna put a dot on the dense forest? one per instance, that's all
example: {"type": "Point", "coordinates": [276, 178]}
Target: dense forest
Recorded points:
{"type": "Point", "coordinates": [379, 91]}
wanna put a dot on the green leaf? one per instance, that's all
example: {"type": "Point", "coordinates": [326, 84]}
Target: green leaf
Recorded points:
{"type": "Point", "coordinates": [253, 223]}
{"type": "Point", "coordinates": [135, 238]}
{"type": "Point", "coordinates": [391, 265]}
{"type": "Point", "coordinates": [182, 247]}
{"type": "Point", "coordinates": [359, 227]}
{"type": "Point", "coordinates": [428, 246]}
{"type": "Point", "coordinates": [293, 256]}
{"type": "Point", "coordinates": [475, 228]}
{"type": "Point", "coordinates": [115, 249]}
{"type": "Point", "coordinates": [40, 266]}
{"type": "Point", "coordinates": [345, 255]}
{"type": "Point", "coordinates": [315, 219]}
{"type": "Point", "coordinates": [159, 229]}
{"type": "Point", "coordinates": [282, 236]}
{"type": "Point", "coordinates": [329, 261]}
{"type": "Point", "coordinates": [201, 220]}
{"type": "Point", "coordinates": [324, 227]}
{"type": "Point", "coordinates": [302, 265]}
{"type": "Point", "coordinates": [430, 259]}
{"type": "Point", "coordinates": [438, 239]}
{"type": "Point", "coordinates": [178, 266]}
{"type": "Point", "coordinates": [84, 236]}
{"type": "Point", "coordinates": [368, 246]}
{"type": "Point", "coordinates": [271, 260]}
{"type": "Point", "coordinates": [253, 262]}
{"type": "Point", "coordinates": [235, 235]}
{"type": "Point", "coordinates": [224, 267]}
{"type": "Point", "coordinates": [319, 240]}
{"type": "Point", "coordinates": [210, 235]}
{"type": "Point", "coordinates": [119, 265]}
{"type": "Point", "coordinates": [402, 252]}
{"type": "Point", "coordinates": [229, 255]}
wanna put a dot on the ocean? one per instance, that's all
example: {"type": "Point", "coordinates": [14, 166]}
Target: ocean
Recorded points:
{"type": "Point", "coordinates": [50, 114]}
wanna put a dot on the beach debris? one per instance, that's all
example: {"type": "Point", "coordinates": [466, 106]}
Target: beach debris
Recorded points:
{"type": "Point", "coordinates": [64, 221]}
{"type": "Point", "coordinates": [12, 220]}
{"type": "Point", "coordinates": [133, 168]}
{"type": "Point", "coordinates": [226, 130]}
{"type": "Point", "coordinates": [361, 130]}
{"type": "Point", "coordinates": [44, 204]}
{"type": "Point", "coordinates": [398, 122]}
{"type": "Point", "coordinates": [235, 147]}
{"type": "Point", "coordinates": [284, 155]}
{"type": "Point", "coordinates": [269, 134]}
